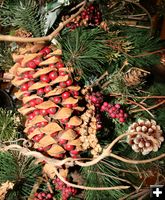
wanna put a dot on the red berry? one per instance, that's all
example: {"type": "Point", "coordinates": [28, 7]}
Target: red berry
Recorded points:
{"type": "Point", "coordinates": [56, 99]}
{"type": "Point", "coordinates": [41, 124]}
{"type": "Point", "coordinates": [62, 73]}
{"type": "Point", "coordinates": [65, 95]}
{"type": "Point", "coordinates": [52, 65]}
{"type": "Point", "coordinates": [69, 82]}
{"type": "Point", "coordinates": [26, 94]}
{"type": "Point", "coordinates": [30, 83]}
{"type": "Point", "coordinates": [26, 75]}
{"type": "Point", "coordinates": [69, 147]}
{"type": "Point", "coordinates": [45, 51]}
{"type": "Point", "coordinates": [36, 112]}
{"type": "Point", "coordinates": [38, 137]}
{"type": "Point", "coordinates": [65, 120]}
{"type": "Point", "coordinates": [113, 115]}
{"type": "Point", "coordinates": [49, 196]}
{"type": "Point", "coordinates": [24, 87]}
{"type": "Point", "coordinates": [94, 99]}
{"type": "Point", "coordinates": [59, 65]}
{"type": "Point", "coordinates": [51, 110]}
{"type": "Point", "coordinates": [38, 101]}
{"type": "Point", "coordinates": [45, 78]}
{"type": "Point", "coordinates": [40, 91]}
{"type": "Point", "coordinates": [37, 60]}
{"type": "Point", "coordinates": [43, 194]}
{"type": "Point", "coordinates": [117, 106]}
{"type": "Point", "coordinates": [31, 129]}
{"type": "Point", "coordinates": [62, 84]}
{"type": "Point", "coordinates": [62, 141]}
{"type": "Point", "coordinates": [121, 119]}
{"type": "Point", "coordinates": [68, 105]}
{"type": "Point", "coordinates": [31, 116]}
{"type": "Point", "coordinates": [30, 75]}
{"type": "Point", "coordinates": [47, 89]}
{"type": "Point", "coordinates": [74, 152]}
{"type": "Point", "coordinates": [31, 64]}
{"type": "Point", "coordinates": [75, 93]}
{"type": "Point", "coordinates": [43, 112]}
{"type": "Point", "coordinates": [60, 155]}
{"type": "Point", "coordinates": [53, 75]}
{"type": "Point", "coordinates": [68, 126]}
{"type": "Point", "coordinates": [32, 103]}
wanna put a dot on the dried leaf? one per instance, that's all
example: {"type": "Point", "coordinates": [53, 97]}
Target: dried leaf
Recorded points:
{"type": "Point", "coordinates": [46, 141]}
{"type": "Point", "coordinates": [21, 70]}
{"type": "Point", "coordinates": [38, 85]}
{"type": "Point", "coordinates": [55, 91]}
{"type": "Point", "coordinates": [74, 88]}
{"type": "Point", "coordinates": [17, 57]}
{"type": "Point", "coordinates": [51, 128]}
{"type": "Point", "coordinates": [75, 121]}
{"type": "Point", "coordinates": [50, 60]}
{"type": "Point", "coordinates": [13, 70]}
{"type": "Point", "coordinates": [69, 100]}
{"type": "Point", "coordinates": [25, 111]}
{"type": "Point", "coordinates": [68, 135]}
{"type": "Point", "coordinates": [55, 150]}
{"type": "Point", "coordinates": [59, 79]}
{"type": "Point", "coordinates": [49, 170]}
{"type": "Point", "coordinates": [46, 105]}
{"type": "Point", "coordinates": [37, 119]}
{"type": "Point", "coordinates": [27, 58]}
{"type": "Point", "coordinates": [29, 98]}
{"type": "Point", "coordinates": [42, 71]}
{"type": "Point", "coordinates": [18, 82]}
{"type": "Point", "coordinates": [63, 113]}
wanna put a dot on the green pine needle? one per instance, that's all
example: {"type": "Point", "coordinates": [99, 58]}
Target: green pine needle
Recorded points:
{"type": "Point", "coordinates": [21, 171]}
{"type": "Point", "coordinates": [85, 51]}
{"type": "Point", "coordinates": [22, 14]}
{"type": "Point", "coordinates": [8, 125]}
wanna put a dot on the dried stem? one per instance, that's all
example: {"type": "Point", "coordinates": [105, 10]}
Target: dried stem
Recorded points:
{"type": "Point", "coordinates": [149, 108]}
{"type": "Point", "coordinates": [142, 107]}
{"type": "Point", "coordinates": [48, 37]}
{"type": "Point", "coordinates": [89, 188]}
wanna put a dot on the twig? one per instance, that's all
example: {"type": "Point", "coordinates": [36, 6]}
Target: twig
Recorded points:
{"type": "Point", "coordinates": [143, 108]}
{"type": "Point", "coordinates": [98, 80]}
{"type": "Point", "coordinates": [48, 37]}
{"type": "Point", "coordinates": [149, 108]}
{"type": "Point", "coordinates": [89, 188]}
{"type": "Point", "coordinates": [138, 97]}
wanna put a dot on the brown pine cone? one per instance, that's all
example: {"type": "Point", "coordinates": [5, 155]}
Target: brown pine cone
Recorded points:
{"type": "Point", "coordinates": [141, 143]}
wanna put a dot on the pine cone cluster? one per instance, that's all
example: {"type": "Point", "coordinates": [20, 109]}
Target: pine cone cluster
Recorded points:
{"type": "Point", "coordinates": [135, 76]}
{"type": "Point", "coordinates": [141, 143]}
{"type": "Point", "coordinates": [88, 130]}
{"type": "Point", "coordinates": [50, 100]}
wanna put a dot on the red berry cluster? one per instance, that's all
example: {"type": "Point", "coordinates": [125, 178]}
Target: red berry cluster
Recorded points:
{"type": "Point", "coordinates": [43, 196]}
{"type": "Point", "coordinates": [114, 111]}
{"type": "Point", "coordinates": [90, 16]}
{"type": "Point", "coordinates": [66, 191]}
{"type": "Point", "coordinates": [95, 98]}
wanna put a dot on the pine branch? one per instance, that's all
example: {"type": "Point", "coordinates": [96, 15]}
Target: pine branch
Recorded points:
{"type": "Point", "coordinates": [21, 171]}
{"type": "Point", "coordinates": [8, 125]}
{"type": "Point", "coordinates": [85, 51]}
{"type": "Point", "coordinates": [22, 14]}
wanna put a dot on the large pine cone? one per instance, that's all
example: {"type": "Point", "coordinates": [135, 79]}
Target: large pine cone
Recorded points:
{"type": "Point", "coordinates": [142, 144]}
{"type": "Point", "coordinates": [50, 99]}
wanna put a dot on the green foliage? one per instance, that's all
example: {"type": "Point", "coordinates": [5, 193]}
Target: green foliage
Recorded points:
{"type": "Point", "coordinates": [6, 60]}
{"type": "Point", "coordinates": [22, 14]}
{"type": "Point", "coordinates": [85, 51]}
{"type": "Point", "coordinates": [102, 175]}
{"type": "Point", "coordinates": [8, 125]}
{"type": "Point", "coordinates": [21, 171]}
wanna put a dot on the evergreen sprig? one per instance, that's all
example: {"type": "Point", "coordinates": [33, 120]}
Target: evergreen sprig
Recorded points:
{"type": "Point", "coordinates": [85, 51]}
{"type": "Point", "coordinates": [8, 125]}
{"type": "Point", "coordinates": [22, 14]}
{"type": "Point", "coordinates": [21, 171]}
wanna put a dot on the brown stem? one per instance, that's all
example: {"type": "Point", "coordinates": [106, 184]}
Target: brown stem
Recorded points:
{"type": "Point", "coordinates": [89, 188]}
{"type": "Point", "coordinates": [48, 37]}
{"type": "Point", "coordinates": [149, 108]}
{"type": "Point", "coordinates": [142, 107]}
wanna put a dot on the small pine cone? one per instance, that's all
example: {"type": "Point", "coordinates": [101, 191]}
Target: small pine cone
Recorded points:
{"type": "Point", "coordinates": [141, 143]}
{"type": "Point", "coordinates": [135, 76]}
